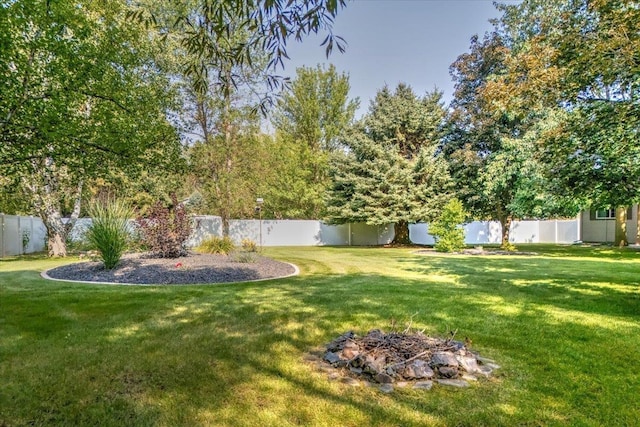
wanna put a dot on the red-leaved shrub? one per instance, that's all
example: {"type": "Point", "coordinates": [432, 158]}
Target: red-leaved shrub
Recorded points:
{"type": "Point", "coordinates": [165, 230]}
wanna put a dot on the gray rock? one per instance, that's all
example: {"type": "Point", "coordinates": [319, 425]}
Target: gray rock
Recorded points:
{"type": "Point", "coordinates": [376, 334]}
{"type": "Point", "coordinates": [383, 378]}
{"type": "Point", "coordinates": [492, 366]}
{"type": "Point", "coordinates": [417, 369]}
{"type": "Point", "coordinates": [457, 345]}
{"type": "Point", "coordinates": [338, 344]}
{"type": "Point", "coordinates": [448, 372]}
{"type": "Point", "coordinates": [373, 365]}
{"type": "Point", "coordinates": [356, 371]}
{"type": "Point", "coordinates": [468, 377]}
{"type": "Point", "coordinates": [468, 363]}
{"type": "Point", "coordinates": [443, 358]}
{"type": "Point", "coordinates": [453, 383]}
{"type": "Point", "coordinates": [350, 344]}
{"type": "Point", "coordinates": [331, 357]}
{"type": "Point", "coordinates": [349, 353]}
{"type": "Point", "coordinates": [484, 360]}
{"type": "Point", "coordinates": [386, 388]}
{"type": "Point", "coordinates": [423, 385]}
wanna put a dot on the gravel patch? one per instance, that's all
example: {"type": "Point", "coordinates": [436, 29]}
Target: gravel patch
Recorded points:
{"type": "Point", "coordinates": [192, 269]}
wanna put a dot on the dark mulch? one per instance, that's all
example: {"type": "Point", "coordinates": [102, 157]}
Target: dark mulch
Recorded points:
{"type": "Point", "coordinates": [191, 269]}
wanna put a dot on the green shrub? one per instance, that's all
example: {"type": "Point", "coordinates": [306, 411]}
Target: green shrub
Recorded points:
{"type": "Point", "coordinates": [109, 230]}
{"type": "Point", "coordinates": [447, 229]}
{"type": "Point", "coordinates": [249, 245]}
{"type": "Point", "coordinates": [26, 238]}
{"type": "Point", "coordinates": [216, 245]}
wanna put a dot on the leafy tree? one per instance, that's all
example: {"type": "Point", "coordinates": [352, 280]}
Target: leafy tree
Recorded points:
{"type": "Point", "coordinates": [492, 152]}
{"type": "Point", "coordinates": [206, 30]}
{"type": "Point", "coordinates": [141, 189]}
{"type": "Point", "coordinates": [229, 177]}
{"type": "Point", "coordinates": [309, 119]}
{"type": "Point", "coordinates": [392, 172]}
{"type": "Point", "coordinates": [579, 58]}
{"type": "Point", "coordinates": [226, 157]}
{"type": "Point", "coordinates": [315, 109]}
{"type": "Point", "coordinates": [80, 95]}
{"type": "Point", "coordinates": [290, 183]}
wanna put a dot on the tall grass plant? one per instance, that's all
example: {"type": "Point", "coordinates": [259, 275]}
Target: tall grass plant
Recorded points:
{"type": "Point", "coordinates": [109, 232]}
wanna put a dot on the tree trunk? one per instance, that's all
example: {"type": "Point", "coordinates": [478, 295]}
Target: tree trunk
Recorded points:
{"type": "Point", "coordinates": [225, 223]}
{"type": "Point", "coordinates": [621, 226]}
{"type": "Point", "coordinates": [505, 223]}
{"type": "Point", "coordinates": [46, 191]}
{"type": "Point", "coordinates": [401, 237]}
{"type": "Point", "coordinates": [228, 158]}
{"type": "Point", "coordinates": [56, 235]}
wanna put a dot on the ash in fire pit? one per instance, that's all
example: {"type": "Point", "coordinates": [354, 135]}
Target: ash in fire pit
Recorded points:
{"type": "Point", "coordinates": [399, 358]}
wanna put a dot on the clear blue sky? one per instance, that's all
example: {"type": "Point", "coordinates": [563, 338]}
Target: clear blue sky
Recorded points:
{"type": "Point", "coordinates": [392, 41]}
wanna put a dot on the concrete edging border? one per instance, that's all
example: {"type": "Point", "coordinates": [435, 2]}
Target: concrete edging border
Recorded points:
{"type": "Point", "coordinates": [46, 276]}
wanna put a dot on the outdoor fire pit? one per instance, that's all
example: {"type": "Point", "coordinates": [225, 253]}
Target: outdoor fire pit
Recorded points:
{"type": "Point", "coordinates": [403, 359]}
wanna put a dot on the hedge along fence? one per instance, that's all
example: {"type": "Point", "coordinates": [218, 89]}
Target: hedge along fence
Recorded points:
{"type": "Point", "coordinates": [21, 235]}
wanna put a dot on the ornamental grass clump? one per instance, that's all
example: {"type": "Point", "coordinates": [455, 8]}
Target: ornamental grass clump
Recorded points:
{"type": "Point", "coordinates": [109, 231]}
{"type": "Point", "coordinates": [249, 245]}
{"type": "Point", "coordinates": [447, 229]}
{"type": "Point", "coordinates": [217, 245]}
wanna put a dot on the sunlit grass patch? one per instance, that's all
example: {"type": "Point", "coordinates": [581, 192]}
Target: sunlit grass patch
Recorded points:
{"type": "Point", "coordinates": [563, 325]}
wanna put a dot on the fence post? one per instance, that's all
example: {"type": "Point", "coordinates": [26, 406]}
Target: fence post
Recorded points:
{"type": "Point", "coordinates": [21, 250]}
{"type": "Point", "coordinates": [30, 245]}
{"type": "Point", "coordinates": [2, 253]}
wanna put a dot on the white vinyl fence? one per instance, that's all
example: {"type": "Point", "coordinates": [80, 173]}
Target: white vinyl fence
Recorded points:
{"type": "Point", "coordinates": [303, 233]}
{"type": "Point", "coordinates": [490, 232]}
{"type": "Point", "coordinates": [293, 232]}
{"type": "Point", "coordinates": [317, 233]}
{"type": "Point", "coordinates": [21, 235]}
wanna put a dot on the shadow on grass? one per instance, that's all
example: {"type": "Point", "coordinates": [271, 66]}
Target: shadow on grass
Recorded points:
{"type": "Point", "coordinates": [232, 354]}
{"type": "Point", "coordinates": [587, 285]}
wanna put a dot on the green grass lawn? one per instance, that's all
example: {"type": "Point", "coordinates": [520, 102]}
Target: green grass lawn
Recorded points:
{"type": "Point", "coordinates": [565, 326]}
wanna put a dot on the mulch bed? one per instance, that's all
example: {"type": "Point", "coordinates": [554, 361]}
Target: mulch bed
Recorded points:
{"type": "Point", "coordinates": [192, 269]}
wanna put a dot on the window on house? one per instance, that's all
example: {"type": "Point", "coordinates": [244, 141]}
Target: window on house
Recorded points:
{"type": "Point", "coordinates": [606, 214]}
